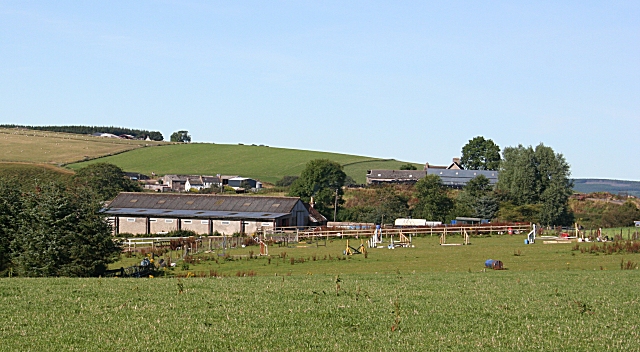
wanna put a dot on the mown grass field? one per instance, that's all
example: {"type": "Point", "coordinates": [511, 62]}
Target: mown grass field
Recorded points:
{"type": "Point", "coordinates": [423, 298]}
{"type": "Point", "coordinates": [20, 145]}
{"type": "Point", "coordinates": [487, 311]}
{"type": "Point", "coordinates": [267, 164]}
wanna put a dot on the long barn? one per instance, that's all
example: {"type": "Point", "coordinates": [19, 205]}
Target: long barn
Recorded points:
{"type": "Point", "coordinates": [152, 213]}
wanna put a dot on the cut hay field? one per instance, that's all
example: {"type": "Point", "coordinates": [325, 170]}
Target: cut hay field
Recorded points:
{"type": "Point", "coordinates": [267, 164]}
{"type": "Point", "coordinates": [30, 146]}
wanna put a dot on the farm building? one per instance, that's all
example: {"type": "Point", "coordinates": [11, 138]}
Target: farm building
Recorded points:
{"type": "Point", "coordinates": [458, 178]}
{"type": "Point", "coordinates": [394, 176]}
{"type": "Point", "coordinates": [181, 183]}
{"type": "Point", "coordinates": [150, 213]}
{"type": "Point", "coordinates": [244, 182]}
{"type": "Point", "coordinates": [454, 178]}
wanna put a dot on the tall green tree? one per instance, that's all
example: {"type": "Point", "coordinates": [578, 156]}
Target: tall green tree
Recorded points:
{"type": "Point", "coordinates": [181, 137]}
{"type": "Point", "coordinates": [476, 199]}
{"type": "Point", "coordinates": [480, 154]}
{"type": "Point", "coordinates": [63, 233]}
{"type": "Point", "coordinates": [433, 201]}
{"type": "Point", "coordinates": [106, 180]}
{"type": "Point", "coordinates": [537, 176]}
{"type": "Point", "coordinates": [386, 205]}
{"type": "Point", "coordinates": [10, 211]}
{"type": "Point", "coordinates": [321, 179]}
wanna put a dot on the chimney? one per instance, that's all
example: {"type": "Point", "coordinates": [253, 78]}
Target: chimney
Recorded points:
{"type": "Point", "coordinates": [456, 160]}
{"type": "Point", "coordinates": [426, 166]}
{"type": "Point", "coordinates": [311, 203]}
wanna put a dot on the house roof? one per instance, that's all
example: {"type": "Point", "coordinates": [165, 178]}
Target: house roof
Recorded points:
{"type": "Point", "coordinates": [315, 215]}
{"type": "Point", "coordinates": [200, 205]}
{"type": "Point", "coordinates": [195, 181]}
{"type": "Point", "coordinates": [461, 177]}
{"type": "Point", "coordinates": [395, 175]}
{"type": "Point", "coordinates": [210, 179]}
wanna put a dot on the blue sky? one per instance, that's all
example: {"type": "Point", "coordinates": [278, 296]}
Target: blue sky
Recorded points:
{"type": "Point", "coordinates": [412, 81]}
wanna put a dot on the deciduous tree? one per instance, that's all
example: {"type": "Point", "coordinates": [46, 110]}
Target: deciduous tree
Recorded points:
{"type": "Point", "coordinates": [181, 137]}
{"type": "Point", "coordinates": [480, 154]}
{"type": "Point", "coordinates": [537, 176]}
{"type": "Point", "coordinates": [433, 202]}
{"type": "Point", "coordinates": [320, 179]}
{"type": "Point", "coordinates": [107, 180]}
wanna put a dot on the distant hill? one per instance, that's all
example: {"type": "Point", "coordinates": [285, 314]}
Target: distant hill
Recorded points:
{"type": "Point", "coordinates": [260, 162]}
{"type": "Point", "coordinates": [587, 185]}
{"type": "Point", "coordinates": [31, 146]}
{"type": "Point", "coordinates": [78, 129]}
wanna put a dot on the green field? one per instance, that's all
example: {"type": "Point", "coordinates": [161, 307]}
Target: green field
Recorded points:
{"type": "Point", "coordinates": [30, 146]}
{"type": "Point", "coordinates": [263, 163]}
{"type": "Point", "coordinates": [427, 257]}
{"type": "Point", "coordinates": [424, 298]}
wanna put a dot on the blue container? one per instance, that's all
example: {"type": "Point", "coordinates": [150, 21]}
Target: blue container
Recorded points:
{"type": "Point", "coordinates": [526, 241]}
{"type": "Point", "coordinates": [489, 263]}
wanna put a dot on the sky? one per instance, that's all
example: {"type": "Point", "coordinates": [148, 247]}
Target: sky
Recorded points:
{"type": "Point", "coordinates": [408, 80]}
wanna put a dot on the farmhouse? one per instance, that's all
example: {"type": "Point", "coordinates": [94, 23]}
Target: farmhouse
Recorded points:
{"type": "Point", "coordinates": [394, 176]}
{"type": "Point", "coordinates": [150, 213]}
{"type": "Point", "coordinates": [458, 178]}
{"type": "Point", "coordinates": [454, 178]}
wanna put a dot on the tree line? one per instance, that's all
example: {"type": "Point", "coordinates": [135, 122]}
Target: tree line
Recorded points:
{"type": "Point", "coordinates": [141, 134]}
{"type": "Point", "coordinates": [534, 185]}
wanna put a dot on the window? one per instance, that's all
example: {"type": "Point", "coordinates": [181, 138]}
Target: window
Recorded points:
{"type": "Point", "coordinates": [267, 224]}
{"type": "Point", "coordinates": [161, 201]}
{"type": "Point", "coordinates": [153, 220]}
{"type": "Point", "coordinates": [204, 222]}
{"type": "Point", "coordinates": [131, 220]}
{"type": "Point", "coordinates": [133, 201]}
{"type": "Point", "coordinates": [186, 222]}
{"type": "Point", "coordinates": [225, 222]}
{"type": "Point", "coordinates": [168, 221]}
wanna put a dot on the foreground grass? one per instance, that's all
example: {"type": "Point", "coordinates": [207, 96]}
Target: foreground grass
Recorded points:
{"type": "Point", "coordinates": [264, 163]}
{"type": "Point", "coordinates": [493, 310]}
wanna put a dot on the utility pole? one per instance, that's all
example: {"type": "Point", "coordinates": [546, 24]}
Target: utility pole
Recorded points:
{"type": "Point", "coordinates": [335, 206]}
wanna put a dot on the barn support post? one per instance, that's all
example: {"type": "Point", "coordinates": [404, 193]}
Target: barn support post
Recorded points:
{"type": "Point", "coordinates": [210, 228]}
{"type": "Point", "coordinates": [179, 226]}
{"type": "Point", "coordinates": [147, 226]}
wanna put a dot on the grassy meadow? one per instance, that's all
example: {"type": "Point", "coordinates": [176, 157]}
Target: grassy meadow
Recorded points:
{"type": "Point", "coordinates": [267, 164]}
{"type": "Point", "coordinates": [429, 297]}
{"type": "Point", "coordinates": [31, 146]}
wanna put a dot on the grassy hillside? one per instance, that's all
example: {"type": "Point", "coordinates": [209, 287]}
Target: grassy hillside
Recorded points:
{"type": "Point", "coordinates": [29, 174]}
{"type": "Point", "coordinates": [264, 163]}
{"type": "Point", "coordinates": [611, 186]}
{"type": "Point", "coordinates": [20, 145]}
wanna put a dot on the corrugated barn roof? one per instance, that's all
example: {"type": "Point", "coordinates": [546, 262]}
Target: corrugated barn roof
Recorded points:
{"type": "Point", "coordinates": [204, 202]}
